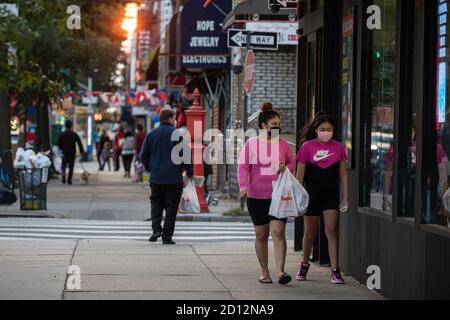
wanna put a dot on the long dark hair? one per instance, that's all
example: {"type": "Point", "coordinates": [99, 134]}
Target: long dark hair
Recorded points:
{"type": "Point", "coordinates": [309, 131]}
{"type": "Point", "coordinates": [267, 114]}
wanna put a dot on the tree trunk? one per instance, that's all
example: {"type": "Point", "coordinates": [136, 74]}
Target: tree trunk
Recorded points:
{"type": "Point", "coordinates": [43, 134]}
{"type": "Point", "coordinates": [5, 130]}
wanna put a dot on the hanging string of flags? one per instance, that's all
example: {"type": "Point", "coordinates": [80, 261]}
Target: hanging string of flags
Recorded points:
{"type": "Point", "coordinates": [116, 99]}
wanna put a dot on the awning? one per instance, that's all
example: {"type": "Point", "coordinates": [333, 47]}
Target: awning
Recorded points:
{"type": "Point", "coordinates": [151, 73]}
{"type": "Point", "coordinates": [246, 9]}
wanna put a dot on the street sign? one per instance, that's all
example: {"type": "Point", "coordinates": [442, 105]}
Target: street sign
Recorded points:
{"type": "Point", "coordinates": [237, 38]}
{"type": "Point", "coordinates": [249, 72]}
{"type": "Point", "coordinates": [89, 99]}
{"type": "Point", "coordinates": [284, 4]}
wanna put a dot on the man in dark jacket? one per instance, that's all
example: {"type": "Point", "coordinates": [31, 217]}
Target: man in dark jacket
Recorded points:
{"type": "Point", "coordinates": [166, 177]}
{"type": "Point", "coordinates": [67, 142]}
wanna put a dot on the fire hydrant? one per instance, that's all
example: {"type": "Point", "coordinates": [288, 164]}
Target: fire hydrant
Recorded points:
{"type": "Point", "coordinates": [195, 118]}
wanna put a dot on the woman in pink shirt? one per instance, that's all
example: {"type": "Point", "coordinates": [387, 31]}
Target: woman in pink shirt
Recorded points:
{"type": "Point", "coordinates": [261, 161]}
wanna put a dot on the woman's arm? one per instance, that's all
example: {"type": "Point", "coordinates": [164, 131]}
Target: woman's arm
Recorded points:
{"type": "Point", "coordinates": [243, 173]}
{"type": "Point", "coordinates": [300, 172]}
{"type": "Point", "coordinates": [344, 181]}
{"type": "Point", "coordinates": [443, 176]}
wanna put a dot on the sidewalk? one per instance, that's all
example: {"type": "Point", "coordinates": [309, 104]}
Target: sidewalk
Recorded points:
{"type": "Point", "coordinates": [140, 270]}
{"type": "Point", "coordinates": [108, 196]}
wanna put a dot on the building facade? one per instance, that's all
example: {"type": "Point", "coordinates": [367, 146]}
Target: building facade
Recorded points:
{"type": "Point", "coordinates": [381, 69]}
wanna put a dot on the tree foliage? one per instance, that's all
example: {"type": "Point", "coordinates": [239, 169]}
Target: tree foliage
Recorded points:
{"type": "Point", "coordinates": [49, 58]}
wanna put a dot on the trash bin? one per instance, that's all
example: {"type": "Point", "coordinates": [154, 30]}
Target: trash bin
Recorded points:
{"type": "Point", "coordinates": [33, 188]}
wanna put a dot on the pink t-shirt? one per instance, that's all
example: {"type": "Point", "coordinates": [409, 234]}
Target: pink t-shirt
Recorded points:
{"type": "Point", "coordinates": [440, 154]}
{"type": "Point", "coordinates": [322, 155]}
{"type": "Point", "coordinates": [257, 166]}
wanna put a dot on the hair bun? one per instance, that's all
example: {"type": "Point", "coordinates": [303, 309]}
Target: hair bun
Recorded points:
{"type": "Point", "coordinates": [266, 106]}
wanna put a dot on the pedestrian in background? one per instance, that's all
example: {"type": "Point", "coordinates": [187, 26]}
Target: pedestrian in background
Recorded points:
{"type": "Point", "coordinates": [127, 147]}
{"type": "Point", "coordinates": [322, 165]}
{"type": "Point", "coordinates": [106, 156]}
{"type": "Point", "coordinates": [256, 172]}
{"type": "Point", "coordinates": [139, 140]}
{"type": "Point", "coordinates": [102, 139]}
{"type": "Point", "coordinates": [166, 177]}
{"type": "Point", "coordinates": [67, 142]}
{"type": "Point", "coordinates": [117, 149]}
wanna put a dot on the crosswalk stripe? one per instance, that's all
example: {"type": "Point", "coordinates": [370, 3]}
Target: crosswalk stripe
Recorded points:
{"type": "Point", "coordinates": [120, 232]}
{"type": "Point", "coordinates": [122, 228]}
{"type": "Point", "coordinates": [117, 230]}
{"type": "Point", "coordinates": [57, 236]}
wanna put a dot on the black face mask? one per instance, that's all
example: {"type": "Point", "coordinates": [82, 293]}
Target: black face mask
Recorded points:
{"type": "Point", "coordinates": [274, 129]}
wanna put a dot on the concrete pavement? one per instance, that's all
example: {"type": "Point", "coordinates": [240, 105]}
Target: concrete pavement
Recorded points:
{"type": "Point", "coordinates": [140, 270]}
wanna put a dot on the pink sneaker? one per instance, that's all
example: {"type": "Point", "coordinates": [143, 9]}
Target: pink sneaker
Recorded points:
{"type": "Point", "coordinates": [302, 272]}
{"type": "Point", "coordinates": [336, 277]}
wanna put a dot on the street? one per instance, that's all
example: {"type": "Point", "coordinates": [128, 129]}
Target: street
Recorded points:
{"type": "Point", "coordinates": [185, 232]}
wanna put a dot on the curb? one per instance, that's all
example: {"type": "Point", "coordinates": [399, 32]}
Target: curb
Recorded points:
{"type": "Point", "coordinates": [199, 218]}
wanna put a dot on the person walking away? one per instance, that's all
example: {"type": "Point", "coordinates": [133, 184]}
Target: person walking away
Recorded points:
{"type": "Point", "coordinates": [106, 156]}
{"type": "Point", "coordinates": [67, 142]}
{"type": "Point", "coordinates": [261, 161]}
{"type": "Point", "coordinates": [103, 138]}
{"type": "Point", "coordinates": [166, 177]}
{"type": "Point", "coordinates": [139, 140]}
{"type": "Point", "coordinates": [127, 147]}
{"type": "Point", "coordinates": [322, 164]}
{"type": "Point", "coordinates": [117, 149]}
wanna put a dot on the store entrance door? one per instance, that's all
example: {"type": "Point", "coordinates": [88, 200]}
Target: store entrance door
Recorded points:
{"type": "Point", "coordinates": [309, 104]}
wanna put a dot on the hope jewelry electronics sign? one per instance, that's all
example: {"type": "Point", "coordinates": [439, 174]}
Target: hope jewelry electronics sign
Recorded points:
{"type": "Point", "coordinates": [203, 45]}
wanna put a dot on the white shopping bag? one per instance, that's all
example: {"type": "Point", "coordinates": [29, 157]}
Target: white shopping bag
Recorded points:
{"type": "Point", "coordinates": [189, 200]}
{"type": "Point", "coordinates": [289, 198]}
{"type": "Point", "coordinates": [446, 203]}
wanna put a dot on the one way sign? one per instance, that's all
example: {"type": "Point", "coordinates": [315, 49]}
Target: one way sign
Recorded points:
{"type": "Point", "coordinates": [284, 4]}
{"type": "Point", "coordinates": [237, 38]}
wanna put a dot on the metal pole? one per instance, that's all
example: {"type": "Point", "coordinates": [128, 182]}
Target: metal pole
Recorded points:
{"type": "Point", "coordinates": [89, 121]}
{"type": "Point", "coordinates": [133, 62]}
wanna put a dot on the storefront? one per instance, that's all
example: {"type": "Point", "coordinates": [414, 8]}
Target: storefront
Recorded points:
{"type": "Point", "coordinates": [381, 69]}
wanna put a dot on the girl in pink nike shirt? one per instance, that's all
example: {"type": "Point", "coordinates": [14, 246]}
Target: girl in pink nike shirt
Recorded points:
{"type": "Point", "coordinates": [322, 164]}
{"type": "Point", "coordinates": [262, 160]}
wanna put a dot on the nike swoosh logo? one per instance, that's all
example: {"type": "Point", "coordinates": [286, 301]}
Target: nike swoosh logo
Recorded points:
{"type": "Point", "coordinates": [317, 159]}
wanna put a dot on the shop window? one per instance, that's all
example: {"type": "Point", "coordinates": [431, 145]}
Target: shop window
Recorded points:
{"type": "Point", "coordinates": [382, 109]}
{"type": "Point", "coordinates": [348, 71]}
{"type": "Point", "coordinates": [437, 177]}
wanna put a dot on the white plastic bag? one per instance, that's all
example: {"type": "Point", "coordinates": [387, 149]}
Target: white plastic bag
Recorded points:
{"type": "Point", "coordinates": [446, 203]}
{"type": "Point", "coordinates": [43, 161]}
{"type": "Point", "coordinates": [289, 198]}
{"type": "Point", "coordinates": [189, 200]}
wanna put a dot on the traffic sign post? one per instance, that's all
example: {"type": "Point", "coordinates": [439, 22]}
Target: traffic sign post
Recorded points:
{"type": "Point", "coordinates": [238, 38]}
{"type": "Point", "coordinates": [249, 72]}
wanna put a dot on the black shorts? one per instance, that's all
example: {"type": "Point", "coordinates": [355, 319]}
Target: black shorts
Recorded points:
{"type": "Point", "coordinates": [322, 198]}
{"type": "Point", "coordinates": [259, 211]}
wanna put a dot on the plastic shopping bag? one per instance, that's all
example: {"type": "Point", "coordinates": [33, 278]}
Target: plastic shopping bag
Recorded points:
{"type": "Point", "coordinates": [289, 198]}
{"type": "Point", "coordinates": [189, 200]}
{"type": "Point", "coordinates": [446, 203]}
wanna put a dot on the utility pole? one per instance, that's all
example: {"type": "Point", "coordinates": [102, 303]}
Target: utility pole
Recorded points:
{"type": "Point", "coordinates": [90, 116]}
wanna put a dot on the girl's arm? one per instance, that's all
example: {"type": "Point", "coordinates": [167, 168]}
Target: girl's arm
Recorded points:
{"type": "Point", "coordinates": [344, 181]}
{"type": "Point", "coordinates": [300, 172]}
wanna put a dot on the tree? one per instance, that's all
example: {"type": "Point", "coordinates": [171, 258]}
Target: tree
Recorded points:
{"type": "Point", "coordinates": [50, 58]}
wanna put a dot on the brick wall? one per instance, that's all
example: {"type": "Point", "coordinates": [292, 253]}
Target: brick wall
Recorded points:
{"type": "Point", "coordinates": [276, 82]}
